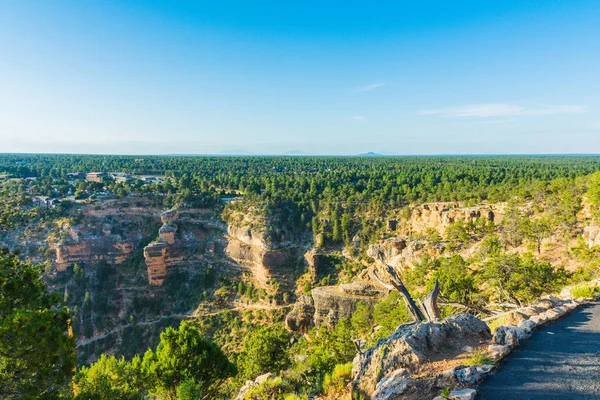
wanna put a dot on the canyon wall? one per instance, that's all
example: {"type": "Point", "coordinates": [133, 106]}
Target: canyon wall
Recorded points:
{"type": "Point", "coordinates": [271, 264]}
{"type": "Point", "coordinates": [108, 249]}
{"type": "Point", "coordinates": [440, 215]}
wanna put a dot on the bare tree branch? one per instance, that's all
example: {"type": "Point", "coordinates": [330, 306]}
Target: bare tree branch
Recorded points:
{"type": "Point", "coordinates": [430, 303]}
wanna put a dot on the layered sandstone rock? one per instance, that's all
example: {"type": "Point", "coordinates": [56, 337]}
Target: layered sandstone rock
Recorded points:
{"type": "Point", "coordinates": [333, 303]}
{"type": "Point", "coordinates": [187, 239]}
{"type": "Point", "coordinates": [166, 233]}
{"type": "Point", "coordinates": [400, 252]}
{"type": "Point", "coordinates": [328, 304]}
{"type": "Point", "coordinates": [107, 249]}
{"type": "Point", "coordinates": [169, 216]}
{"type": "Point", "coordinates": [160, 254]}
{"type": "Point", "coordinates": [156, 262]}
{"type": "Point", "coordinates": [319, 265]}
{"type": "Point", "coordinates": [267, 262]}
{"type": "Point", "coordinates": [439, 216]}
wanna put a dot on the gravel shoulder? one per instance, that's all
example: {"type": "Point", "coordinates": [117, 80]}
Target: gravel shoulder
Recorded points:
{"type": "Point", "coordinates": [560, 361]}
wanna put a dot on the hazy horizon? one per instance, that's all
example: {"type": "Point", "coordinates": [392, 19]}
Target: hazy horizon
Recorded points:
{"type": "Point", "coordinates": [269, 78]}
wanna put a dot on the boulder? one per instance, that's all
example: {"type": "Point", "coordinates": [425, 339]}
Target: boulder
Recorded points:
{"type": "Point", "coordinates": [508, 335]}
{"type": "Point", "coordinates": [497, 351]}
{"type": "Point", "coordinates": [530, 311]}
{"type": "Point", "coordinates": [514, 317]}
{"type": "Point", "coordinates": [253, 383]}
{"type": "Point", "coordinates": [467, 375]}
{"type": "Point", "coordinates": [527, 325]}
{"type": "Point", "coordinates": [570, 304]}
{"type": "Point", "coordinates": [463, 394]}
{"type": "Point", "coordinates": [410, 345]}
{"type": "Point", "coordinates": [300, 318]}
{"type": "Point", "coordinates": [392, 386]}
{"type": "Point", "coordinates": [543, 305]}
{"type": "Point", "coordinates": [485, 369]}
{"type": "Point", "coordinates": [473, 374]}
{"type": "Point", "coordinates": [552, 314]}
{"type": "Point", "coordinates": [539, 319]}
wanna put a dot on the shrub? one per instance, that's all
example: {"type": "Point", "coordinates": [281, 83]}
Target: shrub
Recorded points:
{"type": "Point", "coordinates": [495, 323]}
{"type": "Point", "coordinates": [389, 314]}
{"type": "Point", "coordinates": [335, 381]}
{"type": "Point", "coordinates": [521, 278]}
{"type": "Point", "coordinates": [271, 389]}
{"type": "Point", "coordinates": [479, 357]}
{"type": "Point", "coordinates": [266, 350]}
{"type": "Point", "coordinates": [585, 290]}
{"type": "Point", "coordinates": [294, 396]}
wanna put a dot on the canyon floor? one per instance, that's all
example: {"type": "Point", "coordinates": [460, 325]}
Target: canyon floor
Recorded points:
{"type": "Point", "coordinates": [560, 361]}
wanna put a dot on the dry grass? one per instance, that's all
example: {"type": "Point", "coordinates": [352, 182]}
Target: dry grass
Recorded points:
{"type": "Point", "coordinates": [495, 323]}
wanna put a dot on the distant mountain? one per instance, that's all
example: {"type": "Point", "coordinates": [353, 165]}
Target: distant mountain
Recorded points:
{"type": "Point", "coordinates": [370, 154]}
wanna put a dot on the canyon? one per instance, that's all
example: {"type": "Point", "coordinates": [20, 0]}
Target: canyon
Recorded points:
{"type": "Point", "coordinates": [137, 259]}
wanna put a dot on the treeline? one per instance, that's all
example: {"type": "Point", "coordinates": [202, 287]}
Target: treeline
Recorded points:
{"type": "Point", "coordinates": [322, 194]}
{"type": "Point", "coordinates": [302, 179]}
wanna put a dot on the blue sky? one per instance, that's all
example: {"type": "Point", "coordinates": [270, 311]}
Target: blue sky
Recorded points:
{"type": "Point", "coordinates": [278, 77]}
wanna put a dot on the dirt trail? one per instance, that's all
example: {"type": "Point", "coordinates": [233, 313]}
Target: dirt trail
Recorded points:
{"type": "Point", "coordinates": [195, 314]}
{"type": "Point", "coordinates": [560, 361]}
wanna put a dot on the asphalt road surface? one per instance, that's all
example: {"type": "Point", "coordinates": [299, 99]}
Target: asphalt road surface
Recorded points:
{"type": "Point", "coordinates": [559, 361]}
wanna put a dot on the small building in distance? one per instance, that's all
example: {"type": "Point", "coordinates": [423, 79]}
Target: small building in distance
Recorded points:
{"type": "Point", "coordinates": [121, 177]}
{"type": "Point", "coordinates": [45, 201]}
{"type": "Point", "coordinates": [95, 176]}
{"type": "Point", "coordinates": [151, 178]}
{"type": "Point", "coordinates": [76, 175]}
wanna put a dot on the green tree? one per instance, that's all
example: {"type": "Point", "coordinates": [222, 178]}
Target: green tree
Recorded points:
{"type": "Point", "coordinates": [537, 231]}
{"type": "Point", "coordinates": [456, 283]}
{"type": "Point", "coordinates": [37, 353]}
{"type": "Point", "coordinates": [330, 347]}
{"type": "Point", "coordinates": [390, 313]}
{"type": "Point", "coordinates": [512, 226]}
{"type": "Point", "coordinates": [362, 321]}
{"type": "Point", "coordinates": [265, 350]}
{"type": "Point", "coordinates": [520, 278]}
{"type": "Point", "coordinates": [183, 355]}
{"type": "Point", "coordinates": [110, 378]}
{"type": "Point", "coordinates": [10, 211]}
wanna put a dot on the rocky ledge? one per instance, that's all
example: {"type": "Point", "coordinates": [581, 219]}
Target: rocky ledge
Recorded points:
{"type": "Point", "coordinates": [384, 371]}
{"type": "Point", "coordinates": [328, 304]}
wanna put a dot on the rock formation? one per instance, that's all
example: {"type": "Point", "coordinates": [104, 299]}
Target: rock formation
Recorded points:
{"type": "Point", "coordinates": [441, 215]}
{"type": "Point", "coordinates": [267, 261]}
{"type": "Point", "coordinates": [328, 304]}
{"type": "Point", "coordinates": [162, 253]}
{"type": "Point", "coordinates": [399, 252]}
{"type": "Point", "coordinates": [410, 346]}
{"type": "Point", "coordinates": [333, 303]}
{"type": "Point", "coordinates": [107, 249]}
{"type": "Point", "coordinates": [301, 318]}
{"type": "Point", "coordinates": [591, 235]}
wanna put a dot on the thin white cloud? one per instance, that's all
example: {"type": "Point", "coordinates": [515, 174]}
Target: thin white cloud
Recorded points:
{"type": "Point", "coordinates": [359, 118]}
{"type": "Point", "coordinates": [503, 110]}
{"type": "Point", "coordinates": [368, 88]}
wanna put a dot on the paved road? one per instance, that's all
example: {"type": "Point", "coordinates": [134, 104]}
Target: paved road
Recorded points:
{"type": "Point", "coordinates": [560, 361]}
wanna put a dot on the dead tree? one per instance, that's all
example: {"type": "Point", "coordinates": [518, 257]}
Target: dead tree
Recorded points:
{"type": "Point", "coordinates": [430, 303]}
{"type": "Point", "coordinates": [397, 284]}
